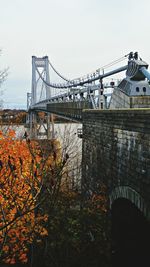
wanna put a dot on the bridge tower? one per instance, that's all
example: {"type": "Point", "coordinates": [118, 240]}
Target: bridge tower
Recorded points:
{"type": "Point", "coordinates": [40, 69]}
{"type": "Point", "coordinates": [40, 66]}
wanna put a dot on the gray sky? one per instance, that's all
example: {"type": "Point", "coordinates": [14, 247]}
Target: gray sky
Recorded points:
{"type": "Point", "coordinates": [79, 36]}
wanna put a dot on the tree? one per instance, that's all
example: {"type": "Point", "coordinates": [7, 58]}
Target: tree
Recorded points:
{"type": "Point", "coordinates": [78, 235]}
{"type": "Point", "coordinates": [26, 174]}
{"type": "Point", "coordinates": [71, 147]}
{"type": "Point", "coordinates": [41, 216]}
{"type": "Point", "coordinates": [3, 76]}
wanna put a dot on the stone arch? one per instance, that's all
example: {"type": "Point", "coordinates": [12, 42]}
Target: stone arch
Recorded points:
{"type": "Point", "coordinates": [133, 196]}
{"type": "Point", "coordinates": [130, 228]}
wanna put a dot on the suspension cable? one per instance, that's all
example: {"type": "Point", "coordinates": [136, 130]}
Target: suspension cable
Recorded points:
{"type": "Point", "coordinates": [60, 75]}
{"type": "Point", "coordinates": [78, 81]}
{"type": "Point", "coordinates": [81, 82]}
{"type": "Point", "coordinates": [113, 62]}
{"type": "Point", "coordinates": [104, 67]}
{"type": "Point", "coordinates": [48, 84]}
{"type": "Point", "coordinates": [92, 73]}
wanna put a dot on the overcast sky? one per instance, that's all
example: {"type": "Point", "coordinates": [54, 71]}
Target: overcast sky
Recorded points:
{"type": "Point", "coordinates": [79, 36]}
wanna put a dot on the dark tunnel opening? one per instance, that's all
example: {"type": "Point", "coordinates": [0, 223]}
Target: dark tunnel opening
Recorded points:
{"type": "Point", "coordinates": [130, 235]}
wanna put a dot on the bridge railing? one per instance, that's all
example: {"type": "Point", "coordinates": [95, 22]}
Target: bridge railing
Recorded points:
{"type": "Point", "coordinates": [69, 109]}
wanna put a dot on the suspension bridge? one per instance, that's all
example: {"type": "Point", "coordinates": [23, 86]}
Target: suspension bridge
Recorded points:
{"type": "Point", "coordinates": [115, 144]}
{"type": "Point", "coordinates": [69, 97]}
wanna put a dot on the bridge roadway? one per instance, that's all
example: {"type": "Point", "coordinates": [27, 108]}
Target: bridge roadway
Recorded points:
{"type": "Point", "coordinates": [70, 110]}
{"type": "Point", "coordinates": [82, 93]}
{"type": "Point", "coordinates": [70, 105]}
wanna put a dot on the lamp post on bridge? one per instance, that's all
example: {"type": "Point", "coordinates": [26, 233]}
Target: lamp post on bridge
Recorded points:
{"type": "Point", "coordinates": [101, 97]}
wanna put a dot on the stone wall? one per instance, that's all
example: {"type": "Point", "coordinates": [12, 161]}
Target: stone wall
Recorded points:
{"type": "Point", "coordinates": [116, 151]}
{"type": "Point", "coordinates": [140, 101]}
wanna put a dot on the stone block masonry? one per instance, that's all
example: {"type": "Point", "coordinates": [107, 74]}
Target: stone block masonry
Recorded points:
{"type": "Point", "coordinates": [116, 152]}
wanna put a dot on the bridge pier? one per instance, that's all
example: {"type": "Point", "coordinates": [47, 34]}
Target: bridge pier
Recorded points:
{"type": "Point", "coordinates": [33, 125]}
{"type": "Point", "coordinates": [50, 126]}
{"type": "Point", "coordinates": [40, 125]}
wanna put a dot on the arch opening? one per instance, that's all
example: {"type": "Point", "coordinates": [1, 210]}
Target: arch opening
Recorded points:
{"type": "Point", "coordinates": [130, 235]}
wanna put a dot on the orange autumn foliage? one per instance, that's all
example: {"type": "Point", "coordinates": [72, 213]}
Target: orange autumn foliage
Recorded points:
{"type": "Point", "coordinates": [21, 180]}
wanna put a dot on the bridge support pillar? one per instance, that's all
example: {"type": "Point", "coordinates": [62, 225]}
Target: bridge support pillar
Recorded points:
{"type": "Point", "coordinates": [33, 125]}
{"type": "Point", "coordinates": [101, 97]}
{"type": "Point", "coordinates": [50, 126]}
{"type": "Point", "coordinates": [41, 125]}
